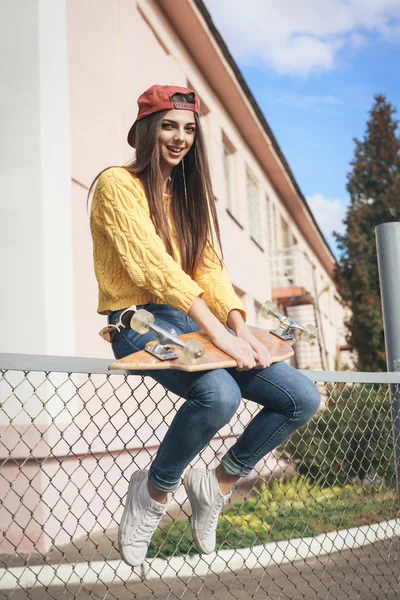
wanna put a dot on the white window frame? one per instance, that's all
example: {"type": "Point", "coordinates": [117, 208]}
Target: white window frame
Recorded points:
{"type": "Point", "coordinates": [229, 167]}
{"type": "Point", "coordinates": [253, 207]}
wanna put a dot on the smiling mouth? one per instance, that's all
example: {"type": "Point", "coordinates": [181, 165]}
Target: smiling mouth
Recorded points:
{"type": "Point", "coordinates": [174, 151]}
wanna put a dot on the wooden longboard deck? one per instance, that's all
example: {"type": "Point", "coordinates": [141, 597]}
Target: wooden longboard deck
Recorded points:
{"type": "Point", "coordinates": [213, 358]}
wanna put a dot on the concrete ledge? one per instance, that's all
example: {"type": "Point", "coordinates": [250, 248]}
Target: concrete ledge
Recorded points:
{"type": "Point", "coordinates": [274, 553]}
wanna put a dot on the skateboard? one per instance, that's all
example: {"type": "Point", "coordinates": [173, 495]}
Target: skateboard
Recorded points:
{"type": "Point", "coordinates": [195, 352]}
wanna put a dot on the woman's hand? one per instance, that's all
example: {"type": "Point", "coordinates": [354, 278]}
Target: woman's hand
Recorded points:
{"type": "Point", "coordinates": [262, 354]}
{"type": "Point", "coordinates": [239, 349]}
{"type": "Point", "coordinates": [243, 347]}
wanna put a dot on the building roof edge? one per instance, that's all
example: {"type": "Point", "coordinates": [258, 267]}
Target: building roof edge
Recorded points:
{"type": "Point", "coordinates": [259, 113]}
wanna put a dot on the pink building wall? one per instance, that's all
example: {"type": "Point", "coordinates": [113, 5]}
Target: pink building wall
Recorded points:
{"type": "Point", "coordinates": [115, 51]}
{"type": "Point", "coordinates": [127, 47]}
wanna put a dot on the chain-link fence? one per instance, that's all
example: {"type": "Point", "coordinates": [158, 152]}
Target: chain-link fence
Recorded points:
{"type": "Point", "coordinates": [318, 517]}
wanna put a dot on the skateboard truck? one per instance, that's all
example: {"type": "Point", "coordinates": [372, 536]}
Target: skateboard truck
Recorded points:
{"type": "Point", "coordinates": [287, 325]}
{"type": "Point", "coordinates": [162, 348]}
{"type": "Point", "coordinates": [191, 352]}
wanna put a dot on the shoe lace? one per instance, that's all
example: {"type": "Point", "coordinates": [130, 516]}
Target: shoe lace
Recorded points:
{"type": "Point", "coordinates": [148, 523]}
{"type": "Point", "coordinates": [215, 514]}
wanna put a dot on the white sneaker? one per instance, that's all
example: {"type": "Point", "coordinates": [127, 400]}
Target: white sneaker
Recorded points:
{"type": "Point", "coordinates": [140, 519]}
{"type": "Point", "coordinates": [207, 502]}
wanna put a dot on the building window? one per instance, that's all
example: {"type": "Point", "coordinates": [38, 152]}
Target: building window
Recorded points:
{"type": "Point", "coordinates": [229, 174]}
{"type": "Point", "coordinates": [253, 207]}
{"type": "Point", "coordinates": [273, 227]}
{"type": "Point", "coordinates": [285, 233]}
{"type": "Point", "coordinates": [268, 228]}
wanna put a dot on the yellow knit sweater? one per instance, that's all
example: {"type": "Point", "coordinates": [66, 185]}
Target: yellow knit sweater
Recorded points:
{"type": "Point", "coordinates": [131, 263]}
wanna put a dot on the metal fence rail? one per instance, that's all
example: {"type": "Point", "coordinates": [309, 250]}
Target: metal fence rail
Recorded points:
{"type": "Point", "coordinates": [318, 518]}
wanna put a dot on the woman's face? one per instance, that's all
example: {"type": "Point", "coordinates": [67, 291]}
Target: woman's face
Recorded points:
{"type": "Point", "coordinates": [177, 133]}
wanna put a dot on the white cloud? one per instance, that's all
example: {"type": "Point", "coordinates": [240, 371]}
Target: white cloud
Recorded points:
{"type": "Point", "coordinates": [299, 37]}
{"type": "Point", "coordinates": [329, 214]}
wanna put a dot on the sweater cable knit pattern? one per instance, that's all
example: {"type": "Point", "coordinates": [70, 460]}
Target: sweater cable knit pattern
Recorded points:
{"type": "Point", "coordinates": [131, 263]}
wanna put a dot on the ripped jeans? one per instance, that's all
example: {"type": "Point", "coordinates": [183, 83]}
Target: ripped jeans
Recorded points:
{"type": "Point", "coordinates": [288, 399]}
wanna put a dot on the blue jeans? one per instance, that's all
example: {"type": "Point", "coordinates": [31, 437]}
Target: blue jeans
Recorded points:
{"type": "Point", "coordinates": [288, 399]}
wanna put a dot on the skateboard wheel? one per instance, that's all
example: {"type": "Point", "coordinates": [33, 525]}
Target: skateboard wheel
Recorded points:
{"type": "Point", "coordinates": [309, 334]}
{"type": "Point", "coordinates": [267, 310]}
{"type": "Point", "coordinates": [140, 320]}
{"type": "Point", "coordinates": [193, 351]}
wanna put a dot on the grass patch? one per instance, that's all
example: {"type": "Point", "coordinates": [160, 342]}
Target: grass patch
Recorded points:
{"type": "Point", "coordinates": [281, 511]}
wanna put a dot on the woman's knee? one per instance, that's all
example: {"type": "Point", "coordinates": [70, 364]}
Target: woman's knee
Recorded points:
{"type": "Point", "coordinates": [218, 392]}
{"type": "Point", "coordinates": [302, 395]}
{"type": "Point", "coordinates": [308, 401]}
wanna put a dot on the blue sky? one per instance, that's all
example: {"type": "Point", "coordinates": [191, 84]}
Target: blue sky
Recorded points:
{"type": "Point", "coordinates": [314, 68]}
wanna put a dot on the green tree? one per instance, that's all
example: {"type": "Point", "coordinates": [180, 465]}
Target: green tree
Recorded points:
{"type": "Point", "coordinates": [374, 188]}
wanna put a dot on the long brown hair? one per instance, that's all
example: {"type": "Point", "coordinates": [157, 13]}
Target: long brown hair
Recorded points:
{"type": "Point", "coordinates": [192, 208]}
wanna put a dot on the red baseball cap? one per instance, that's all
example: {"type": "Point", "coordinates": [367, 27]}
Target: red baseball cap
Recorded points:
{"type": "Point", "coordinates": [159, 97]}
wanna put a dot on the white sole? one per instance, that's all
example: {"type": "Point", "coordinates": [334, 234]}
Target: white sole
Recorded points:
{"type": "Point", "coordinates": [122, 522]}
{"type": "Point", "coordinates": [192, 504]}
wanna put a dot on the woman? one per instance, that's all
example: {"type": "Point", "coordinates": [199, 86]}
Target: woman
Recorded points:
{"type": "Point", "coordinates": [157, 245]}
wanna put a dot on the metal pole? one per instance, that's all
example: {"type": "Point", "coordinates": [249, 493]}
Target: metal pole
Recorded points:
{"type": "Point", "coordinates": [388, 251]}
